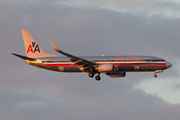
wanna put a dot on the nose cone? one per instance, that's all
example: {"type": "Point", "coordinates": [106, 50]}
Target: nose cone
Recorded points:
{"type": "Point", "coordinates": [168, 65]}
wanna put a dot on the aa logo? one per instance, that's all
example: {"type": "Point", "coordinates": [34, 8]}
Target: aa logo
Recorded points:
{"type": "Point", "coordinates": [33, 48]}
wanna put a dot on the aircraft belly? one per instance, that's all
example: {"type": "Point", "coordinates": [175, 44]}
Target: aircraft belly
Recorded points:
{"type": "Point", "coordinates": [57, 68]}
{"type": "Point", "coordinates": [126, 68]}
{"type": "Point", "coordinates": [133, 68]}
{"type": "Point", "coordinates": [144, 68]}
{"type": "Point", "coordinates": [65, 68]}
{"type": "Point", "coordinates": [39, 65]}
{"type": "Point", "coordinates": [71, 69]}
{"type": "Point", "coordinates": [157, 67]}
{"type": "Point", "coordinates": [141, 67]}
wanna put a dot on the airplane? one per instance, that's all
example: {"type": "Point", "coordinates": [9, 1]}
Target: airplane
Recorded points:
{"type": "Point", "coordinates": [113, 66]}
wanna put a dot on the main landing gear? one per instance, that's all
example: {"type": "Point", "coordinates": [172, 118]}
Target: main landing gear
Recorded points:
{"type": "Point", "coordinates": [91, 75]}
{"type": "Point", "coordinates": [98, 78]}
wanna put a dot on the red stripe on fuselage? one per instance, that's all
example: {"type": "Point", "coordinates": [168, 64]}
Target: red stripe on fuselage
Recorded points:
{"type": "Point", "coordinates": [56, 64]}
{"type": "Point", "coordinates": [138, 63]}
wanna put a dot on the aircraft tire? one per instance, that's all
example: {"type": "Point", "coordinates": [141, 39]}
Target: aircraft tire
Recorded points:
{"type": "Point", "coordinates": [98, 78]}
{"type": "Point", "coordinates": [155, 76]}
{"type": "Point", "coordinates": [91, 75]}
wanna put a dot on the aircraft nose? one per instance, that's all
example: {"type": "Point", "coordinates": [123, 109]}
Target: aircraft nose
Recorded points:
{"type": "Point", "coordinates": [168, 65]}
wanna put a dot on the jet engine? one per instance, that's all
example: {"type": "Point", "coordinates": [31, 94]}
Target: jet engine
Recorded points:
{"type": "Point", "coordinates": [105, 68]}
{"type": "Point", "coordinates": [116, 74]}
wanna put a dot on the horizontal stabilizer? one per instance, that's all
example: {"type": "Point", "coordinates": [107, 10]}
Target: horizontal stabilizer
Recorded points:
{"type": "Point", "coordinates": [23, 57]}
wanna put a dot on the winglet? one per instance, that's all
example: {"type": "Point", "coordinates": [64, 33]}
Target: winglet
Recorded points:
{"type": "Point", "coordinates": [54, 46]}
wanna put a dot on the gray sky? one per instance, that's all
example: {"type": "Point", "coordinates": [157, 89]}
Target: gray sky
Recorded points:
{"type": "Point", "coordinates": [90, 28]}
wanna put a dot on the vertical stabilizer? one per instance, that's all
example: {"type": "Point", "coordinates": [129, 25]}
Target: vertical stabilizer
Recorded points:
{"type": "Point", "coordinates": [32, 48]}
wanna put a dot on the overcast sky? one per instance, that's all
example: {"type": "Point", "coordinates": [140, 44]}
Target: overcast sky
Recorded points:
{"type": "Point", "coordinates": [90, 28]}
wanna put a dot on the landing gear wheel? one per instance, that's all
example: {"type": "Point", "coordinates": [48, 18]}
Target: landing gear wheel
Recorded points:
{"type": "Point", "coordinates": [155, 76]}
{"type": "Point", "coordinates": [91, 75]}
{"type": "Point", "coordinates": [98, 78]}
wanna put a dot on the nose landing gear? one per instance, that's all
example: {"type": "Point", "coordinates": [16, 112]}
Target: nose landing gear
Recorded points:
{"type": "Point", "coordinates": [157, 71]}
{"type": "Point", "coordinates": [155, 75]}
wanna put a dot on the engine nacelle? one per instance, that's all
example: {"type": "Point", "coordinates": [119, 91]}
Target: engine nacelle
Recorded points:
{"type": "Point", "coordinates": [116, 74]}
{"type": "Point", "coordinates": [105, 68]}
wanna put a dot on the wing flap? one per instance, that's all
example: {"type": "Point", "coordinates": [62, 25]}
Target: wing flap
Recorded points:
{"type": "Point", "coordinates": [81, 62]}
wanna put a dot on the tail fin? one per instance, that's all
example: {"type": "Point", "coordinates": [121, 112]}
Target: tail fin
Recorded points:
{"type": "Point", "coordinates": [32, 48]}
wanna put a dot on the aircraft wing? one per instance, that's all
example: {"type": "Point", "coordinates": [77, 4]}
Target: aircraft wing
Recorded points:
{"type": "Point", "coordinates": [86, 64]}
